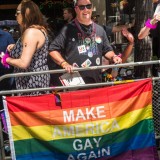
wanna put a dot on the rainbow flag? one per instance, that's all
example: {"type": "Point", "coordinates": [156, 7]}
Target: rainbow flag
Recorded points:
{"type": "Point", "coordinates": [110, 123]}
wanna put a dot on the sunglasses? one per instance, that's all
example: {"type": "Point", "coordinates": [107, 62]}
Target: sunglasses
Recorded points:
{"type": "Point", "coordinates": [82, 7]}
{"type": "Point", "coordinates": [17, 12]}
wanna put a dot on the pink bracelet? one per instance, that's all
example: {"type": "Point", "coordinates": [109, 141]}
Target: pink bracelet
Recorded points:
{"type": "Point", "coordinates": [120, 55]}
{"type": "Point", "coordinates": [5, 64]}
{"type": "Point", "coordinates": [149, 25]}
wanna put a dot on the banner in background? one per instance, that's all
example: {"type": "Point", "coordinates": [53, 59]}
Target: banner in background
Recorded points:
{"type": "Point", "coordinates": [114, 123]}
{"type": "Point", "coordinates": [8, 23]}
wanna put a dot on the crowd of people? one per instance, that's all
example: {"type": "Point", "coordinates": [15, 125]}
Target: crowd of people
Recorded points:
{"type": "Point", "coordinates": [82, 42]}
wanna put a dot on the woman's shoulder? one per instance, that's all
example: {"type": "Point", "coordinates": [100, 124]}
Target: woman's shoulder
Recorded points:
{"type": "Point", "coordinates": [35, 31]}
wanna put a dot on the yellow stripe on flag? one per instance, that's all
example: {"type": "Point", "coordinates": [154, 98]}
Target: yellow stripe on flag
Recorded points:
{"type": "Point", "coordinates": [96, 128]}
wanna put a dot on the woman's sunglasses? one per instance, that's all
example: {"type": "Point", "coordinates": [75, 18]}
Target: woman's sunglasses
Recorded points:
{"type": "Point", "coordinates": [17, 12]}
{"type": "Point", "coordinates": [82, 7]}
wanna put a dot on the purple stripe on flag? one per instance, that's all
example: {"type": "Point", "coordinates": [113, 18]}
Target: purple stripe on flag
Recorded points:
{"type": "Point", "coordinates": [149, 153]}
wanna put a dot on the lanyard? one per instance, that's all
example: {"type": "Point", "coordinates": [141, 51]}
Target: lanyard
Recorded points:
{"type": "Point", "coordinates": [83, 33]}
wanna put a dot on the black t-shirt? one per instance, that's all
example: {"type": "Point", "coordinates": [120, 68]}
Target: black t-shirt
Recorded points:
{"type": "Point", "coordinates": [80, 50]}
{"type": "Point", "coordinates": [108, 30]}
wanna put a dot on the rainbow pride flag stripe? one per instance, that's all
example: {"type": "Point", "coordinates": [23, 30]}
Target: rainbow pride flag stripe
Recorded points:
{"type": "Point", "coordinates": [113, 123]}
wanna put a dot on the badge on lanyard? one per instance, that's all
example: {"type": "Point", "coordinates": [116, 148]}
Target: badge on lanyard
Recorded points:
{"type": "Point", "coordinates": [86, 63]}
{"type": "Point", "coordinates": [98, 40]}
{"type": "Point", "coordinates": [81, 49]}
{"type": "Point", "coordinates": [98, 61]}
{"type": "Point", "coordinates": [73, 39]}
{"type": "Point", "coordinates": [75, 65]}
{"type": "Point", "coordinates": [90, 54]}
{"type": "Point", "coordinates": [88, 40]}
{"type": "Point", "coordinates": [87, 47]}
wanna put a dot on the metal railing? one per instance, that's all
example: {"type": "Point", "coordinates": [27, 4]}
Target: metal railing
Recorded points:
{"type": "Point", "coordinates": [57, 88]}
{"type": "Point", "coordinates": [155, 80]}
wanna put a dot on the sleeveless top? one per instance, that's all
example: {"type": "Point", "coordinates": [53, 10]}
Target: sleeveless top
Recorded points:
{"type": "Point", "coordinates": [38, 63]}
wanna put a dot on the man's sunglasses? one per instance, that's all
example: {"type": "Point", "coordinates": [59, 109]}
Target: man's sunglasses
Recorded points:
{"type": "Point", "coordinates": [82, 7]}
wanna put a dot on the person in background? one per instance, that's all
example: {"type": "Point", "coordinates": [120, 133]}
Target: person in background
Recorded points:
{"type": "Point", "coordinates": [6, 28]}
{"type": "Point", "coordinates": [5, 40]}
{"type": "Point", "coordinates": [82, 43]}
{"type": "Point", "coordinates": [30, 52]}
{"type": "Point", "coordinates": [152, 29]}
{"type": "Point", "coordinates": [8, 83]}
{"type": "Point", "coordinates": [68, 14]}
{"type": "Point", "coordinates": [127, 51]}
{"type": "Point", "coordinates": [124, 55]}
{"type": "Point", "coordinates": [111, 29]}
{"type": "Point", "coordinates": [95, 17]}
{"type": "Point", "coordinates": [151, 26]}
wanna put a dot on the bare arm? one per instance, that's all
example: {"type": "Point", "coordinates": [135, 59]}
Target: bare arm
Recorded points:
{"type": "Point", "coordinates": [32, 40]}
{"type": "Point", "coordinates": [128, 49]}
{"type": "Point", "coordinates": [111, 56]}
{"type": "Point", "coordinates": [116, 59]}
{"type": "Point", "coordinates": [145, 30]}
{"type": "Point", "coordinates": [127, 52]}
{"type": "Point", "coordinates": [57, 58]}
{"type": "Point", "coordinates": [121, 27]}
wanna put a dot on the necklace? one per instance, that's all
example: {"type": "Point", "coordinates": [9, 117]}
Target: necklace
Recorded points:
{"type": "Point", "coordinates": [84, 35]}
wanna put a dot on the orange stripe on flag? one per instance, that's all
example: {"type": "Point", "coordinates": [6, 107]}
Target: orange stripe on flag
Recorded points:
{"type": "Point", "coordinates": [97, 112]}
